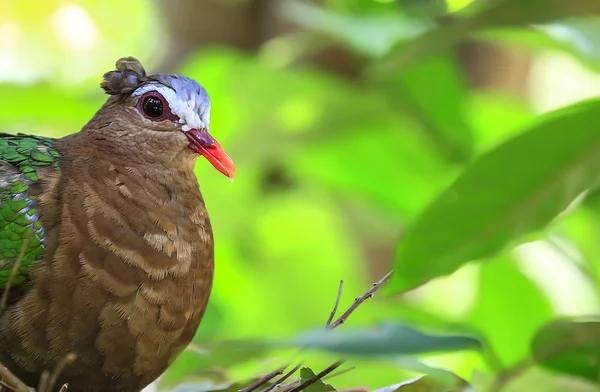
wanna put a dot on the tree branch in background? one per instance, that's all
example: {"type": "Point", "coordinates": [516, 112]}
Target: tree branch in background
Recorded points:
{"type": "Point", "coordinates": [11, 381]}
{"type": "Point", "coordinates": [318, 377]}
{"type": "Point", "coordinates": [376, 286]}
{"type": "Point", "coordinates": [329, 325]}
{"type": "Point", "coordinates": [264, 379]}
{"type": "Point", "coordinates": [282, 379]}
{"type": "Point", "coordinates": [337, 302]}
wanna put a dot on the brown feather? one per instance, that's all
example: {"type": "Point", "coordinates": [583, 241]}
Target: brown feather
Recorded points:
{"type": "Point", "coordinates": [128, 266]}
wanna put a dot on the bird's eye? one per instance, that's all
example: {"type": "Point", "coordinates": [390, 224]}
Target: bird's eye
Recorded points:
{"type": "Point", "coordinates": [153, 107]}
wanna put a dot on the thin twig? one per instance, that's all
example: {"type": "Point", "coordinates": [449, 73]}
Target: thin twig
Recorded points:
{"type": "Point", "coordinates": [288, 386]}
{"type": "Point", "coordinates": [44, 377]}
{"type": "Point", "coordinates": [283, 378]}
{"type": "Point", "coordinates": [263, 380]}
{"type": "Point", "coordinates": [330, 325]}
{"type": "Point", "coordinates": [67, 359]}
{"type": "Point", "coordinates": [335, 374]}
{"type": "Point", "coordinates": [337, 302]}
{"type": "Point", "coordinates": [376, 286]}
{"type": "Point", "coordinates": [357, 389]}
{"type": "Point", "coordinates": [13, 381]}
{"type": "Point", "coordinates": [13, 273]}
{"type": "Point", "coordinates": [317, 377]}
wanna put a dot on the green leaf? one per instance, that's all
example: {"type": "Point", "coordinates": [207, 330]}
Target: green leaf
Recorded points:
{"type": "Point", "coordinates": [368, 34]}
{"type": "Point", "coordinates": [570, 347]}
{"type": "Point", "coordinates": [509, 309]}
{"type": "Point", "coordinates": [577, 37]}
{"type": "Point", "coordinates": [385, 340]}
{"type": "Point", "coordinates": [513, 190]}
{"type": "Point", "coordinates": [489, 15]}
{"type": "Point", "coordinates": [434, 94]}
{"type": "Point", "coordinates": [318, 386]}
{"type": "Point", "coordinates": [429, 384]}
{"type": "Point", "coordinates": [424, 8]}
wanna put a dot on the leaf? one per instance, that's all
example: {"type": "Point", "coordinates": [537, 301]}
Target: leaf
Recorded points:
{"type": "Point", "coordinates": [385, 340]}
{"type": "Point", "coordinates": [534, 379]}
{"type": "Point", "coordinates": [503, 13]}
{"type": "Point", "coordinates": [571, 347]}
{"type": "Point", "coordinates": [369, 34]}
{"type": "Point", "coordinates": [393, 161]}
{"type": "Point", "coordinates": [513, 190]}
{"type": "Point", "coordinates": [424, 8]}
{"type": "Point", "coordinates": [318, 386]}
{"type": "Point", "coordinates": [429, 384]}
{"type": "Point", "coordinates": [577, 37]}
{"type": "Point", "coordinates": [434, 93]}
{"type": "Point", "coordinates": [509, 309]}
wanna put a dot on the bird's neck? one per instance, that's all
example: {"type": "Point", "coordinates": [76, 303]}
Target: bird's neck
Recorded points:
{"type": "Point", "coordinates": [145, 148]}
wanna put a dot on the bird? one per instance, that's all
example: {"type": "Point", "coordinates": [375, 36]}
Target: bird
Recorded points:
{"type": "Point", "coordinates": [106, 246]}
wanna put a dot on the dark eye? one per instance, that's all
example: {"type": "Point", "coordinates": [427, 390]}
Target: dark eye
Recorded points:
{"type": "Point", "coordinates": [153, 106]}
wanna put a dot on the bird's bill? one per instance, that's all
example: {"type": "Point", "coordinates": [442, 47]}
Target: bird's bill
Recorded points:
{"type": "Point", "coordinates": [204, 144]}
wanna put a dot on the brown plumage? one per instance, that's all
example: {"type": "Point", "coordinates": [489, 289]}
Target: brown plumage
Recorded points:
{"type": "Point", "coordinates": [127, 263]}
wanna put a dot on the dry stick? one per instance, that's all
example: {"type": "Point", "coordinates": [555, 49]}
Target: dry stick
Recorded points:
{"type": "Point", "coordinates": [376, 286]}
{"type": "Point", "coordinates": [330, 325]}
{"type": "Point", "coordinates": [58, 369]}
{"type": "Point", "coordinates": [44, 377]}
{"type": "Point", "coordinates": [335, 374]}
{"type": "Point", "coordinates": [337, 302]}
{"type": "Point", "coordinates": [341, 320]}
{"type": "Point", "coordinates": [13, 273]}
{"type": "Point", "coordinates": [317, 377]}
{"type": "Point", "coordinates": [13, 381]}
{"type": "Point", "coordinates": [264, 379]}
{"type": "Point", "coordinates": [282, 379]}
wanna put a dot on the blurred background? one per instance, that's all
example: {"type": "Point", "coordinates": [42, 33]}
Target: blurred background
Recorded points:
{"type": "Point", "coordinates": [337, 149]}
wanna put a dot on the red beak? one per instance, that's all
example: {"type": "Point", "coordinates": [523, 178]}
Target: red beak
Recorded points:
{"type": "Point", "coordinates": [204, 144]}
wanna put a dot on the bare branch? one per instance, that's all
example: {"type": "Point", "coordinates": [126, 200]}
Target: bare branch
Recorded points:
{"type": "Point", "coordinates": [330, 325]}
{"type": "Point", "coordinates": [337, 302]}
{"type": "Point", "coordinates": [13, 381]}
{"type": "Point", "coordinates": [282, 379]}
{"type": "Point", "coordinates": [49, 387]}
{"type": "Point", "coordinates": [335, 374]}
{"type": "Point", "coordinates": [268, 377]}
{"type": "Point", "coordinates": [44, 377]}
{"type": "Point", "coordinates": [317, 377]}
{"type": "Point", "coordinates": [376, 286]}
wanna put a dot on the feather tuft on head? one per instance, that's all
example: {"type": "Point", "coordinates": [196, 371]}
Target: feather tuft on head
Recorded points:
{"type": "Point", "coordinates": [129, 75]}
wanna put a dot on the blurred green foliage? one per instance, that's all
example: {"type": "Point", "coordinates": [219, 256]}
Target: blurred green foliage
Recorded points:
{"type": "Point", "coordinates": [408, 165]}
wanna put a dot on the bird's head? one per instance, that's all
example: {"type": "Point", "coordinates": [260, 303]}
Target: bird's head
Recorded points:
{"type": "Point", "coordinates": [167, 103]}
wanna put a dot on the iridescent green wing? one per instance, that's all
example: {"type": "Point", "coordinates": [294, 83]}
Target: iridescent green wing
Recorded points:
{"type": "Point", "coordinates": [21, 158]}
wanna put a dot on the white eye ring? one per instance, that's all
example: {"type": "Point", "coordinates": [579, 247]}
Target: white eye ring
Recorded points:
{"type": "Point", "coordinates": [190, 115]}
